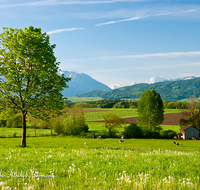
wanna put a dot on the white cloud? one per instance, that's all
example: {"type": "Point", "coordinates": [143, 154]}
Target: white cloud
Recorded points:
{"type": "Point", "coordinates": [189, 74]}
{"type": "Point", "coordinates": [168, 54]}
{"type": "Point", "coordinates": [63, 30]}
{"type": "Point", "coordinates": [65, 2]}
{"type": "Point", "coordinates": [142, 17]}
{"type": "Point", "coordinates": [159, 55]}
{"type": "Point", "coordinates": [113, 22]}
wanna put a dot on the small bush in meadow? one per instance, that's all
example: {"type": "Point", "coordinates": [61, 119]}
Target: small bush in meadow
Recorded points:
{"type": "Point", "coordinates": [133, 131]}
{"type": "Point", "coordinates": [167, 134]}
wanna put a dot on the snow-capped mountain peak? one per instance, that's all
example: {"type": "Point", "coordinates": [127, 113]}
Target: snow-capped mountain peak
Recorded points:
{"type": "Point", "coordinates": [115, 86]}
{"type": "Point", "coordinates": [155, 79]}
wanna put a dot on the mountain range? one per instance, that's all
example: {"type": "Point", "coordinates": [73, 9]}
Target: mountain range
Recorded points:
{"type": "Point", "coordinates": [169, 90]}
{"type": "Point", "coordinates": [81, 83]}
{"type": "Point", "coordinates": [156, 79]}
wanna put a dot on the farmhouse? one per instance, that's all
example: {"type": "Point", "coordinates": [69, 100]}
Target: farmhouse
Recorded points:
{"type": "Point", "coordinates": [189, 132]}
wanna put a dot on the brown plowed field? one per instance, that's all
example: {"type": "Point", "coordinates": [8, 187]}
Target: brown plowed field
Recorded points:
{"type": "Point", "coordinates": [169, 119]}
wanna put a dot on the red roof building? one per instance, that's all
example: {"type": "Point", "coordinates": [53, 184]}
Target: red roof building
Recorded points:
{"type": "Point", "coordinates": [189, 132]}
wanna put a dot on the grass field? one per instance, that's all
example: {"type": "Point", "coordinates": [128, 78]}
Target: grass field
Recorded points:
{"type": "Point", "coordinates": [123, 113]}
{"type": "Point", "coordinates": [11, 132]}
{"type": "Point", "coordinates": [67, 163]}
{"type": "Point", "coordinates": [84, 99]}
{"type": "Point", "coordinates": [61, 162]}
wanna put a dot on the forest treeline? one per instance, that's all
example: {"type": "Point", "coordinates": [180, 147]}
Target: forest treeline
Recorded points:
{"type": "Point", "coordinates": [169, 91]}
{"type": "Point", "coordinates": [124, 104]}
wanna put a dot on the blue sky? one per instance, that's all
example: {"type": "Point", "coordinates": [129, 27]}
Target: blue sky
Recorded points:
{"type": "Point", "coordinates": [116, 41]}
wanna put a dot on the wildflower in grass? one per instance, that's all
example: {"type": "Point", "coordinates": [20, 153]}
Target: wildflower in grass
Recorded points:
{"type": "Point", "coordinates": [2, 183]}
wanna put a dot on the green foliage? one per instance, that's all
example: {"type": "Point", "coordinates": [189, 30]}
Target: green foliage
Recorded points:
{"type": "Point", "coordinates": [112, 121]}
{"type": "Point", "coordinates": [175, 105]}
{"type": "Point", "coordinates": [150, 110]}
{"type": "Point", "coordinates": [170, 90]}
{"type": "Point", "coordinates": [14, 121]}
{"type": "Point", "coordinates": [3, 123]}
{"type": "Point", "coordinates": [29, 74]}
{"type": "Point", "coordinates": [105, 104]}
{"type": "Point", "coordinates": [133, 131]}
{"type": "Point", "coordinates": [103, 133]}
{"type": "Point", "coordinates": [167, 134]}
{"type": "Point", "coordinates": [58, 127]}
{"type": "Point", "coordinates": [193, 113]}
{"type": "Point", "coordinates": [71, 124]}
{"type": "Point", "coordinates": [75, 124]}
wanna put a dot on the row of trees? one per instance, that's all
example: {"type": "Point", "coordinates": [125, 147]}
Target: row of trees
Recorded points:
{"type": "Point", "coordinates": [105, 104]}
{"type": "Point", "coordinates": [67, 124]}
{"type": "Point", "coordinates": [125, 104]}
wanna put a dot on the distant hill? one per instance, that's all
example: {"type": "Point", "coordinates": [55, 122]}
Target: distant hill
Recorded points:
{"type": "Point", "coordinates": [81, 83]}
{"type": "Point", "coordinates": [169, 91]}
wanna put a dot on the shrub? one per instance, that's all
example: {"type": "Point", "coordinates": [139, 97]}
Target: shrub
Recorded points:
{"type": "Point", "coordinates": [167, 134]}
{"type": "Point", "coordinates": [71, 124]}
{"type": "Point", "coordinates": [112, 121]}
{"type": "Point", "coordinates": [2, 123]}
{"type": "Point", "coordinates": [58, 127]}
{"type": "Point", "coordinates": [103, 133]}
{"type": "Point", "coordinates": [14, 121]}
{"type": "Point", "coordinates": [133, 131]}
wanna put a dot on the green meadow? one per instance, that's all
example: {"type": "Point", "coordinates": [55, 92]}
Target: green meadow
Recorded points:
{"type": "Point", "coordinates": [97, 115]}
{"type": "Point", "coordinates": [63, 162]}
{"type": "Point", "coordinates": [84, 99]}
{"type": "Point", "coordinates": [67, 163]}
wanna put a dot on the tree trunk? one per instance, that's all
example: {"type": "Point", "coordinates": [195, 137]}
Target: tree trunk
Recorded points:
{"type": "Point", "coordinates": [23, 130]}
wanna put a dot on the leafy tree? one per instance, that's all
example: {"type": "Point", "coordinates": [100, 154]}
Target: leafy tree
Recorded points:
{"type": "Point", "coordinates": [112, 121]}
{"type": "Point", "coordinates": [193, 114]}
{"type": "Point", "coordinates": [29, 79]}
{"type": "Point", "coordinates": [150, 110]}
